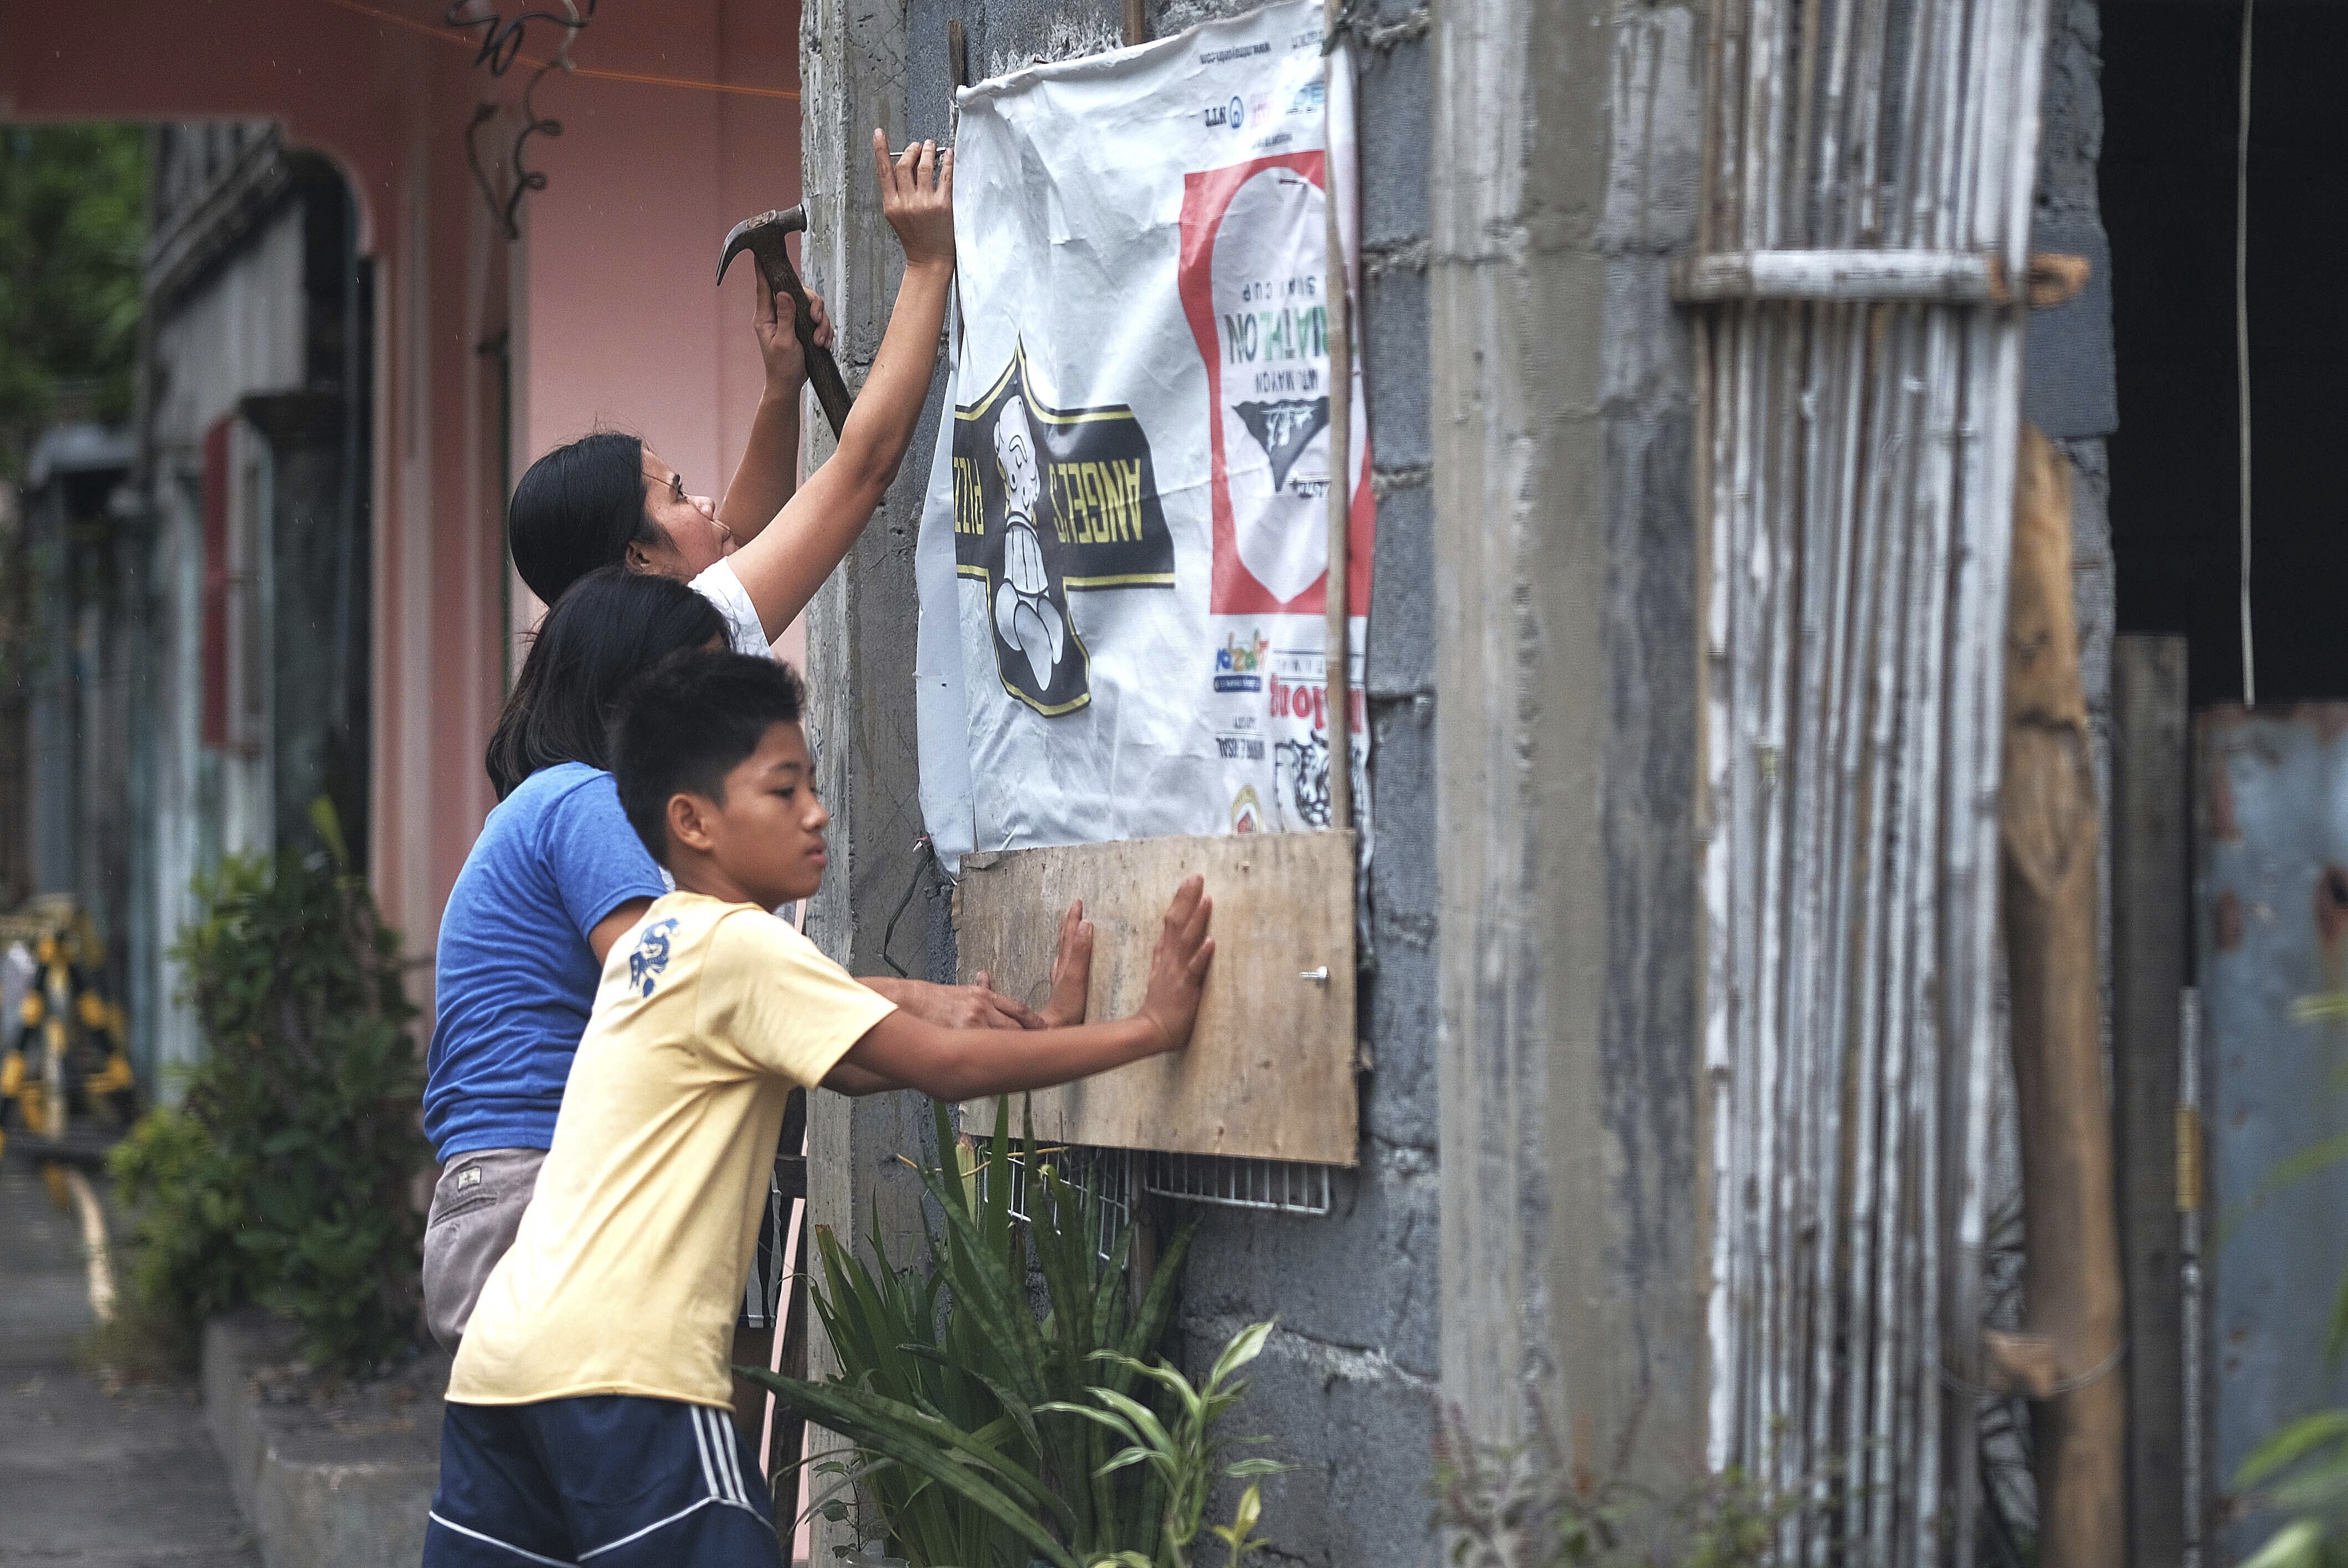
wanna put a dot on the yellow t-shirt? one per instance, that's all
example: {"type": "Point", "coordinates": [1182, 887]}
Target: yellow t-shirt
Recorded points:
{"type": "Point", "coordinates": [632, 1254]}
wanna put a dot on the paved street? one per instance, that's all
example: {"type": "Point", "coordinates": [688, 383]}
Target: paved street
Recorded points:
{"type": "Point", "coordinates": [89, 1480]}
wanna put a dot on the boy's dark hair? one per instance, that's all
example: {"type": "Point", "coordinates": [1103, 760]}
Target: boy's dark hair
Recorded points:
{"type": "Point", "coordinates": [683, 725]}
{"type": "Point", "coordinates": [612, 626]}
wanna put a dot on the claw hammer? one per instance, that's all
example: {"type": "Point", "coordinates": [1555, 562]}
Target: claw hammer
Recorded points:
{"type": "Point", "coordinates": [764, 237]}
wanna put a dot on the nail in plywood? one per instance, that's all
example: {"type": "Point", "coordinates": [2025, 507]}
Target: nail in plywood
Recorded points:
{"type": "Point", "coordinates": [1269, 1071]}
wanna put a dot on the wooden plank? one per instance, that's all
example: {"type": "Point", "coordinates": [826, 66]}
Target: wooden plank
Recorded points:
{"type": "Point", "coordinates": [2049, 837]}
{"type": "Point", "coordinates": [2151, 910]}
{"type": "Point", "coordinates": [1269, 1072]}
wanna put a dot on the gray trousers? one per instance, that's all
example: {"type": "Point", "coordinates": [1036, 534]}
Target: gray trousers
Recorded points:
{"type": "Point", "coordinates": [476, 1209]}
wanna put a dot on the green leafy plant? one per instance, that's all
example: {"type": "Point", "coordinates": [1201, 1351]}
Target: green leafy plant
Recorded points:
{"type": "Point", "coordinates": [1239, 1536]}
{"type": "Point", "coordinates": [284, 1177]}
{"type": "Point", "coordinates": [2302, 1469]}
{"type": "Point", "coordinates": [187, 1214]}
{"type": "Point", "coordinates": [1188, 1455]}
{"type": "Point", "coordinates": [72, 222]}
{"type": "Point", "coordinates": [951, 1382]}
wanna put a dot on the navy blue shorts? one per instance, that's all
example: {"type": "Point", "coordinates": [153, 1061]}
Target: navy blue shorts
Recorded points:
{"type": "Point", "coordinates": [612, 1479]}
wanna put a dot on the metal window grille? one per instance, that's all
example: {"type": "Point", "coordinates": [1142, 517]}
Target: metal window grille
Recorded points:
{"type": "Point", "coordinates": [1273, 1186]}
{"type": "Point", "coordinates": [1283, 1187]}
{"type": "Point", "coordinates": [1109, 1170]}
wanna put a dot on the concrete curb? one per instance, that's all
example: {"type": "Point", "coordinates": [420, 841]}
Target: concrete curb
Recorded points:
{"type": "Point", "coordinates": [315, 1492]}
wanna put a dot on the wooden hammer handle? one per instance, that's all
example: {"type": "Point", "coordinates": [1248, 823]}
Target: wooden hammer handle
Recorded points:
{"type": "Point", "coordinates": [823, 370]}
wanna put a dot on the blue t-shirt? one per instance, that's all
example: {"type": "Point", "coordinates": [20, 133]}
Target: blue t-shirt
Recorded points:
{"type": "Point", "coordinates": [516, 979]}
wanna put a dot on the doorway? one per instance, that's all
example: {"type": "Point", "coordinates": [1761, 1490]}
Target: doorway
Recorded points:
{"type": "Point", "coordinates": [2171, 98]}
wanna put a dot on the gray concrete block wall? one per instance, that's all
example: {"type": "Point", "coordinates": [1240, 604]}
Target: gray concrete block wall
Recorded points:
{"type": "Point", "coordinates": [1346, 1389]}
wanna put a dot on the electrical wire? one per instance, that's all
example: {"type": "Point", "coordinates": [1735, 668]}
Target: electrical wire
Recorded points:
{"type": "Point", "coordinates": [501, 40]}
{"type": "Point", "coordinates": [925, 859]}
{"type": "Point", "coordinates": [598, 73]}
{"type": "Point", "coordinates": [2055, 1390]}
{"type": "Point", "coordinates": [2242, 341]}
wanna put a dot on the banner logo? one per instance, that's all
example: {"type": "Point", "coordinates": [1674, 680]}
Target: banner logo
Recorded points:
{"type": "Point", "coordinates": [1253, 280]}
{"type": "Point", "coordinates": [650, 957]}
{"type": "Point", "coordinates": [1049, 501]}
{"type": "Point", "coordinates": [1283, 429]}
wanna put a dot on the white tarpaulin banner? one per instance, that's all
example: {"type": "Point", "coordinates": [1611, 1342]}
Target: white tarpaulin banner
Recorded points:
{"type": "Point", "coordinates": [1123, 554]}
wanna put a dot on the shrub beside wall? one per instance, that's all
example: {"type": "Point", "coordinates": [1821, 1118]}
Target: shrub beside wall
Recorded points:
{"type": "Point", "coordinates": [283, 1178]}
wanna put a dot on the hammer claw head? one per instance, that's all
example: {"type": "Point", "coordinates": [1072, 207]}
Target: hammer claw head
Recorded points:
{"type": "Point", "coordinates": [763, 236]}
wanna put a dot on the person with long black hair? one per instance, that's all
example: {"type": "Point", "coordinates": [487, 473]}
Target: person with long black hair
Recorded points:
{"type": "Point", "coordinates": [555, 878]}
{"type": "Point", "coordinates": [610, 499]}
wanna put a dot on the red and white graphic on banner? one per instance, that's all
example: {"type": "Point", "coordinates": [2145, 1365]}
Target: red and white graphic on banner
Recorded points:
{"type": "Point", "coordinates": [1254, 288]}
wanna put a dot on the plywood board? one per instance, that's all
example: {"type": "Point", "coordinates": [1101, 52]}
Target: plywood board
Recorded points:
{"type": "Point", "coordinates": [1269, 1072]}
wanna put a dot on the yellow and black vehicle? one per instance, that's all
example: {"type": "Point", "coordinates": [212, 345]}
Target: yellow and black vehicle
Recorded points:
{"type": "Point", "coordinates": [66, 1088]}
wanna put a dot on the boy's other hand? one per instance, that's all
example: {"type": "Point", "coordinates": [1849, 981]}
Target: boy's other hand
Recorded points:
{"type": "Point", "coordinates": [917, 198]}
{"type": "Point", "coordinates": [778, 339]}
{"type": "Point", "coordinates": [1177, 967]}
{"type": "Point", "coordinates": [1072, 969]}
{"type": "Point", "coordinates": [962, 1007]}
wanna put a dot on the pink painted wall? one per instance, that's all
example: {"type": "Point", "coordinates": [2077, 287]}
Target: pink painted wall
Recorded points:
{"type": "Point", "coordinates": [608, 296]}
{"type": "Point", "coordinates": [619, 274]}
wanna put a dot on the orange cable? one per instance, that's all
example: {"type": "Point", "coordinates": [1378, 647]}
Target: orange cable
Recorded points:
{"type": "Point", "coordinates": [447, 36]}
{"type": "Point", "coordinates": [654, 81]}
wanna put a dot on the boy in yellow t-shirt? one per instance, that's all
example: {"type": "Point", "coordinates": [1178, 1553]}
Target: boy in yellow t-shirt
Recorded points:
{"type": "Point", "coordinates": [588, 1410]}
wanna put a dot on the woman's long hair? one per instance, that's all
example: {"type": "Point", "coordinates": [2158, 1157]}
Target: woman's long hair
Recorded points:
{"type": "Point", "coordinates": [612, 625]}
{"type": "Point", "coordinates": [577, 509]}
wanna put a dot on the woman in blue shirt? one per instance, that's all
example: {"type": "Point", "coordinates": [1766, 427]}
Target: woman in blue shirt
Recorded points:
{"type": "Point", "coordinates": [555, 878]}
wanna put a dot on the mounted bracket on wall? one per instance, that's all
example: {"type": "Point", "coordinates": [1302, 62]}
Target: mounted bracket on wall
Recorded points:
{"type": "Point", "coordinates": [501, 42]}
{"type": "Point", "coordinates": [1269, 1072]}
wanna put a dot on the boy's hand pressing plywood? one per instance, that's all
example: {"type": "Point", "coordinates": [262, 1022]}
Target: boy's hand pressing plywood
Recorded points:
{"type": "Point", "coordinates": [1072, 971]}
{"type": "Point", "coordinates": [963, 1064]}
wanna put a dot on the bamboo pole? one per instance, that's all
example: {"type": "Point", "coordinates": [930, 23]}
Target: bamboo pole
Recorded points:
{"type": "Point", "coordinates": [1337, 640]}
{"type": "Point", "coordinates": [2000, 219]}
{"type": "Point", "coordinates": [2049, 834]}
{"type": "Point", "coordinates": [1854, 435]}
{"type": "Point", "coordinates": [1717, 370]}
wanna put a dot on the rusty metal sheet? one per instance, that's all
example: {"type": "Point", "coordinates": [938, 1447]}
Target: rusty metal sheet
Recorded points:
{"type": "Point", "coordinates": [2270, 928]}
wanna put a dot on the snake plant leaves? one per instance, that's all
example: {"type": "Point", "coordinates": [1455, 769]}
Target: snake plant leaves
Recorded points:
{"type": "Point", "coordinates": [2299, 1544]}
{"type": "Point", "coordinates": [912, 1441]}
{"type": "Point", "coordinates": [2293, 1444]}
